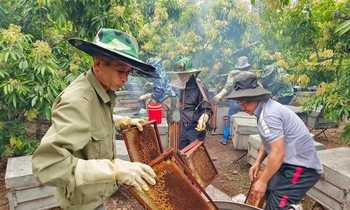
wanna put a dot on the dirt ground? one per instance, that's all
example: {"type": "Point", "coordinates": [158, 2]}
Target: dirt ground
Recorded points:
{"type": "Point", "coordinates": [231, 165]}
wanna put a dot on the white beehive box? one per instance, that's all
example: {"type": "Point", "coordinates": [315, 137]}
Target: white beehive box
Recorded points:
{"type": "Point", "coordinates": [333, 189]}
{"type": "Point", "coordinates": [221, 112]}
{"type": "Point", "coordinates": [163, 134]}
{"type": "Point", "coordinates": [242, 125]}
{"type": "Point", "coordinates": [254, 143]}
{"type": "Point", "coordinates": [120, 148]}
{"type": "Point", "coordinates": [25, 191]}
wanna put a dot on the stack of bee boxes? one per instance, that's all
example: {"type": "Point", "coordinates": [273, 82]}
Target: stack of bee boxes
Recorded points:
{"type": "Point", "coordinates": [242, 126]}
{"type": "Point", "coordinates": [254, 143]}
{"type": "Point", "coordinates": [25, 191]}
{"type": "Point", "coordinates": [127, 103]}
{"type": "Point", "coordinates": [333, 189]}
{"type": "Point", "coordinates": [253, 148]}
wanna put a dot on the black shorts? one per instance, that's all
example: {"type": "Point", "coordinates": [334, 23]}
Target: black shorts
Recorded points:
{"type": "Point", "coordinates": [289, 185]}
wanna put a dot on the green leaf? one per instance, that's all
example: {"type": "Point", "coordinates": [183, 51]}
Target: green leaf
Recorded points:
{"type": "Point", "coordinates": [14, 101]}
{"type": "Point", "coordinates": [23, 64]}
{"type": "Point", "coordinates": [6, 56]}
{"type": "Point", "coordinates": [343, 28]}
{"type": "Point", "coordinates": [34, 100]}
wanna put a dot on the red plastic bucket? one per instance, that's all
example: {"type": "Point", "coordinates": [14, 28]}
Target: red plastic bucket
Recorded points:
{"type": "Point", "coordinates": [154, 111]}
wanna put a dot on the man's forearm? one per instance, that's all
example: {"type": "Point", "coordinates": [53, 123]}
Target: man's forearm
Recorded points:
{"type": "Point", "coordinates": [261, 154]}
{"type": "Point", "coordinates": [274, 162]}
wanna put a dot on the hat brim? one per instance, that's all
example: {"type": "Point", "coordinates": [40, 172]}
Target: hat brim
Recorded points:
{"type": "Point", "coordinates": [185, 72]}
{"type": "Point", "coordinates": [243, 67]}
{"type": "Point", "coordinates": [247, 93]}
{"type": "Point", "coordinates": [139, 67]}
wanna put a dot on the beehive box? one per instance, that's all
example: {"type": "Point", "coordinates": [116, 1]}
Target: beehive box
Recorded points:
{"type": "Point", "coordinates": [175, 189]}
{"type": "Point", "coordinates": [143, 146]}
{"type": "Point", "coordinates": [254, 144]}
{"type": "Point", "coordinates": [242, 125]}
{"type": "Point", "coordinates": [333, 189]}
{"type": "Point", "coordinates": [127, 103]}
{"type": "Point", "coordinates": [163, 134]}
{"type": "Point", "coordinates": [120, 148]}
{"type": "Point", "coordinates": [221, 111]}
{"type": "Point", "coordinates": [253, 148]}
{"type": "Point", "coordinates": [25, 191]}
{"type": "Point", "coordinates": [197, 158]}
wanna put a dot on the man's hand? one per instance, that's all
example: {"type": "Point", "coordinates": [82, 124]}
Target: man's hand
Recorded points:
{"type": "Point", "coordinates": [134, 174]}
{"type": "Point", "coordinates": [259, 189]}
{"type": "Point", "coordinates": [202, 122]}
{"type": "Point", "coordinates": [253, 171]}
{"type": "Point", "coordinates": [126, 122]}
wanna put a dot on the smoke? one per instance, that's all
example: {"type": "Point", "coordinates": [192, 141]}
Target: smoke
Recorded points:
{"type": "Point", "coordinates": [214, 38]}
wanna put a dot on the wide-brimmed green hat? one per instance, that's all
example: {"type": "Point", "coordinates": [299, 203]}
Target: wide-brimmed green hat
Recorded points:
{"type": "Point", "coordinates": [116, 44]}
{"type": "Point", "coordinates": [247, 86]}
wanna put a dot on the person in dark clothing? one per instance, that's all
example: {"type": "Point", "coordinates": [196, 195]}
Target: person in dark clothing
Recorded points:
{"type": "Point", "coordinates": [193, 109]}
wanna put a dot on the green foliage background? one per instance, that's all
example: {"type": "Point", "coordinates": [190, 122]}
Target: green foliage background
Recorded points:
{"type": "Point", "coordinates": [311, 39]}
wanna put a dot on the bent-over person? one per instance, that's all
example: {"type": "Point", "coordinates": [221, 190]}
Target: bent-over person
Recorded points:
{"type": "Point", "coordinates": [292, 166]}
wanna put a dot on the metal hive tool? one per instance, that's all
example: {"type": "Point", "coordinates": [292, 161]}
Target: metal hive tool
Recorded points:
{"type": "Point", "coordinates": [143, 146]}
{"type": "Point", "coordinates": [175, 188]}
{"type": "Point", "coordinates": [197, 159]}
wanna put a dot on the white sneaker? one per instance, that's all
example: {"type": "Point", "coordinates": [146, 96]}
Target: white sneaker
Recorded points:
{"type": "Point", "coordinates": [296, 207]}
